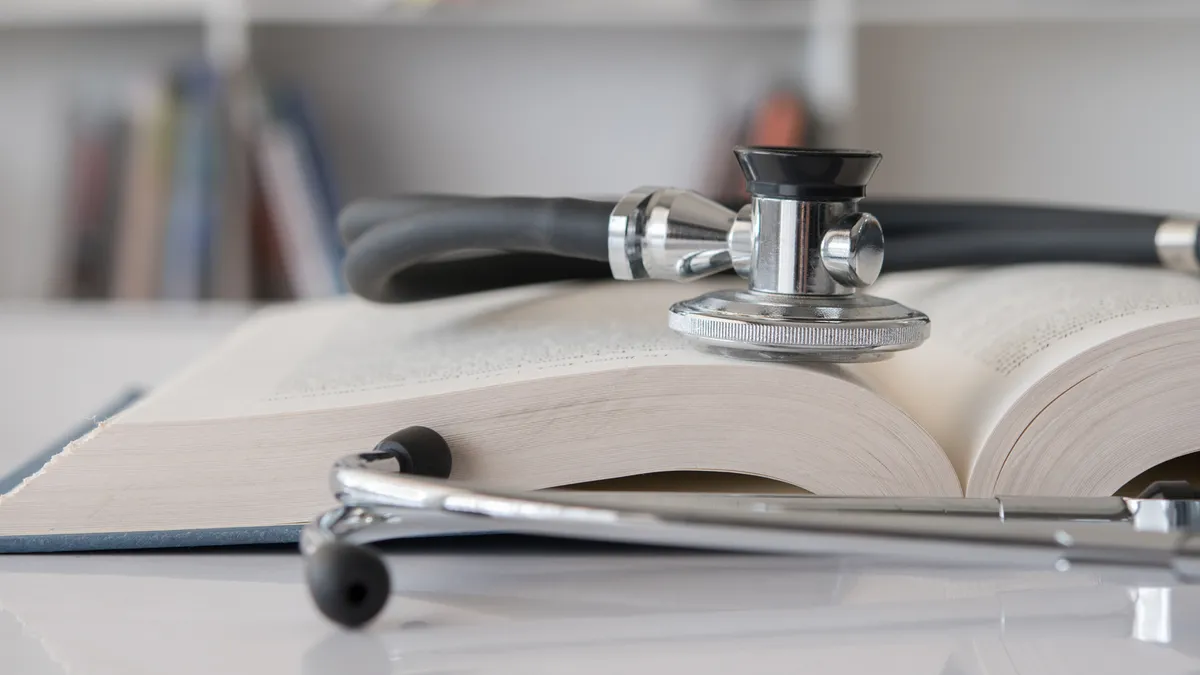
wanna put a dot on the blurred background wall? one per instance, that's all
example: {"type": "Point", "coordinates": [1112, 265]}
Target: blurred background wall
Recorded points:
{"type": "Point", "coordinates": [1104, 114]}
{"type": "Point", "coordinates": [1009, 102]}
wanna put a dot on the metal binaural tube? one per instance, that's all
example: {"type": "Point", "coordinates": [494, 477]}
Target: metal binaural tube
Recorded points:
{"type": "Point", "coordinates": [381, 505]}
{"type": "Point", "coordinates": [666, 233]}
{"type": "Point", "coordinates": [741, 242]}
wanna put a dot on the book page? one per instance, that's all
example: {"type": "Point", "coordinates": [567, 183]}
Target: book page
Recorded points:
{"type": "Point", "coordinates": [349, 352]}
{"type": "Point", "coordinates": [997, 332]}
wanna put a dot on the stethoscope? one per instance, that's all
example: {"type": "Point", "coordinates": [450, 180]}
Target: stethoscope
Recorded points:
{"type": "Point", "coordinates": [804, 244]}
{"type": "Point", "coordinates": [401, 490]}
{"type": "Point", "coordinates": [807, 250]}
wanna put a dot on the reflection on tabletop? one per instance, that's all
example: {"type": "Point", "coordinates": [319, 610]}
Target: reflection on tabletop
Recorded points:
{"type": "Point", "coordinates": [619, 612]}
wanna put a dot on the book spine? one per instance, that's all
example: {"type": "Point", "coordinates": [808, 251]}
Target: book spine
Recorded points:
{"type": "Point", "coordinates": [116, 157]}
{"type": "Point", "coordinates": [292, 107]}
{"type": "Point", "coordinates": [271, 281]}
{"type": "Point", "coordinates": [272, 271]}
{"type": "Point", "coordinates": [231, 263]}
{"type": "Point", "coordinates": [82, 164]}
{"type": "Point", "coordinates": [96, 164]}
{"type": "Point", "coordinates": [189, 223]}
{"type": "Point", "coordinates": [294, 211]}
{"type": "Point", "coordinates": [141, 222]}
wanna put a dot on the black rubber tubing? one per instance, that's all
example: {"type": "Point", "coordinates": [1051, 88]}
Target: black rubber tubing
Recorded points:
{"type": "Point", "coordinates": [1132, 246]}
{"type": "Point", "coordinates": [902, 217]}
{"type": "Point", "coordinates": [385, 238]}
{"type": "Point", "coordinates": [924, 235]}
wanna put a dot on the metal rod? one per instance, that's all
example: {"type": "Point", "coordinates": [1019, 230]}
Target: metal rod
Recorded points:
{"type": "Point", "coordinates": [1057, 534]}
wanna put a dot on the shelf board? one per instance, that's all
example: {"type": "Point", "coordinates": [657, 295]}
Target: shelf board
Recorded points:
{"type": "Point", "coordinates": [933, 12]}
{"type": "Point", "coordinates": [100, 12]}
{"type": "Point", "coordinates": [781, 14]}
{"type": "Point", "coordinates": [716, 13]}
{"type": "Point", "coordinates": [548, 13]}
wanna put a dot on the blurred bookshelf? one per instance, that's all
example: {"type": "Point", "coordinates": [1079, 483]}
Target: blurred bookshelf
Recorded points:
{"type": "Point", "coordinates": [197, 183]}
{"type": "Point", "coordinates": [199, 150]}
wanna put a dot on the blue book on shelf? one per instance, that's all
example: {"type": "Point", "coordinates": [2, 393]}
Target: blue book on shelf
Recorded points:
{"type": "Point", "coordinates": [290, 106]}
{"type": "Point", "coordinates": [190, 215]}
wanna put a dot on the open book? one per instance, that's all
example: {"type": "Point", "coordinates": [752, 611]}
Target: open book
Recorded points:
{"type": "Point", "coordinates": [1056, 380]}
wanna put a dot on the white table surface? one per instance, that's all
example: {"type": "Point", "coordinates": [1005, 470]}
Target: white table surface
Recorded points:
{"type": "Point", "coordinates": [527, 611]}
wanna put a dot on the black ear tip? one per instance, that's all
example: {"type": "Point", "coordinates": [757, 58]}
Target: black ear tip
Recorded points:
{"type": "Point", "coordinates": [349, 584]}
{"type": "Point", "coordinates": [421, 451]}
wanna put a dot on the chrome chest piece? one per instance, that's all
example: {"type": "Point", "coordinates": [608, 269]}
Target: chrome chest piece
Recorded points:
{"type": "Point", "coordinates": [802, 243]}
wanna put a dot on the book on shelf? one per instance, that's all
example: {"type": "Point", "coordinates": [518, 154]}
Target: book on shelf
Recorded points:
{"type": "Point", "coordinates": [231, 263]}
{"type": "Point", "coordinates": [137, 263]}
{"type": "Point", "coordinates": [190, 217]}
{"type": "Point", "coordinates": [96, 158]}
{"type": "Point", "coordinates": [297, 198]}
{"type": "Point", "coordinates": [292, 107]}
{"type": "Point", "coordinates": [1065, 380]}
{"type": "Point", "coordinates": [164, 190]}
